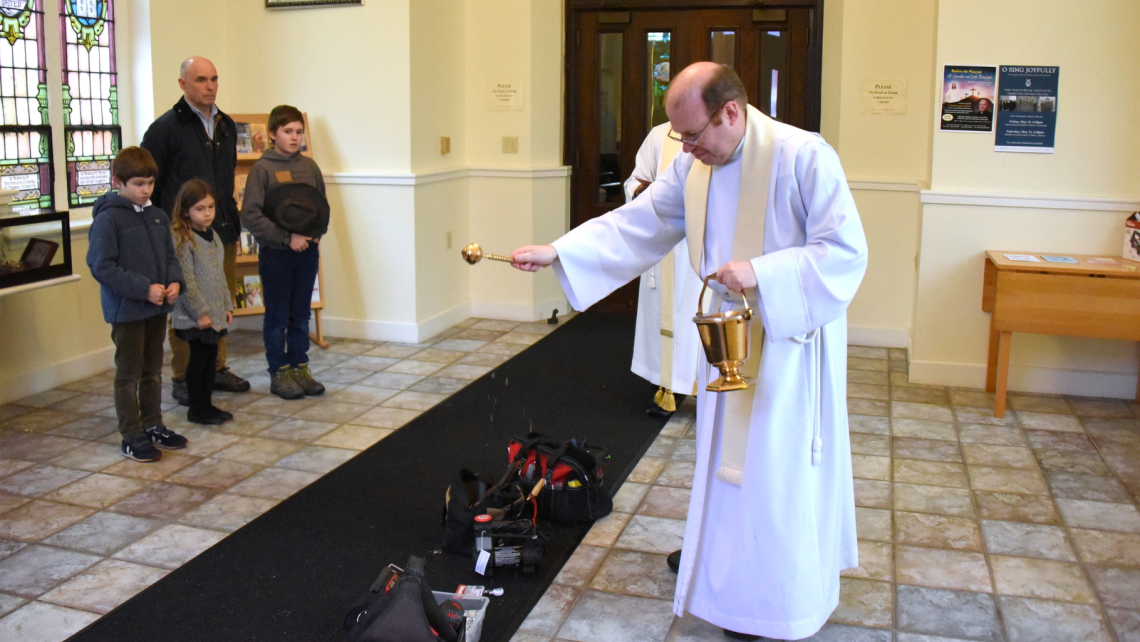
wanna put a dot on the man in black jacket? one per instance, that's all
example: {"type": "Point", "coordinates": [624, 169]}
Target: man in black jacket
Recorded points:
{"type": "Point", "coordinates": [196, 140]}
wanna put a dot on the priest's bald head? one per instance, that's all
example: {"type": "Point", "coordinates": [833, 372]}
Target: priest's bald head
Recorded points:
{"type": "Point", "coordinates": [706, 107]}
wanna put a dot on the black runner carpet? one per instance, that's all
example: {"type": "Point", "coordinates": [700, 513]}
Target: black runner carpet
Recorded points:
{"type": "Point", "coordinates": [292, 573]}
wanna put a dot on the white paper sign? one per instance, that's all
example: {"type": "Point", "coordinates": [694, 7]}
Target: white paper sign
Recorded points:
{"type": "Point", "coordinates": [504, 95]}
{"type": "Point", "coordinates": [481, 563]}
{"type": "Point", "coordinates": [1023, 257]}
{"type": "Point", "coordinates": [884, 97]}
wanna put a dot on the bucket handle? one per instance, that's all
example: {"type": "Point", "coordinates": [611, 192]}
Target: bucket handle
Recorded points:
{"type": "Point", "coordinates": [701, 296]}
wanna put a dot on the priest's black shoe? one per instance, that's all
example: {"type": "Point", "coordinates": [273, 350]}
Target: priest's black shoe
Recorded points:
{"type": "Point", "coordinates": [657, 411]}
{"type": "Point", "coordinates": [733, 635]}
{"type": "Point", "coordinates": [674, 560]}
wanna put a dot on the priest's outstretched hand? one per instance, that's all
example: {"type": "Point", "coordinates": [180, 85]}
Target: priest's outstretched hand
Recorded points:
{"type": "Point", "coordinates": [532, 258]}
{"type": "Point", "coordinates": [737, 276]}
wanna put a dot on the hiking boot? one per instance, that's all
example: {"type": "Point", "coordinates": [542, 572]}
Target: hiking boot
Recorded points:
{"type": "Point", "coordinates": [226, 380]}
{"type": "Point", "coordinates": [166, 438]}
{"type": "Point", "coordinates": [283, 383]}
{"type": "Point", "coordinates": [305, 380]}
{"type": "Point", "coordinates": [139, 448]}
{"type": "Point", "coordinates": [179, 392]}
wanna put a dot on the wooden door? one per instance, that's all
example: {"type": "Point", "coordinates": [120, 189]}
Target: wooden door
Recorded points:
{"type": "Point", "coordinates": [620, 62]}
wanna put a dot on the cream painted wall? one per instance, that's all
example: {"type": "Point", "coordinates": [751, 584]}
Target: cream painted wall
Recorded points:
{"type": "Point", "coordinates": [499, 48]}
{"type": "Point", "coordinates": [438, 83]}
{"type": "Point", "coordinates": [354, 84]}
{"type": "Point", "coordinates": [951, 331]}
{"type": "Point", "coordinates": [367, 262]}
{"type": "Point", "coordinates": [54, 335]}
{"type": "Point", "coordinates": [831, 93]}
{"type": "Point", "coordinates": [438, 92]}
{"type": "Point", "coordinates": [1098, 134]}
{"type": "Point", "coordinates": [441, 277]}
{"type": "Point", "coordinates": [883, 40]}
{"type": "Point", "coordinates": [177, 31]}
{"type": "Point", "coordinates": [1095, 158]}
{"type": "Point", "coordinates": [886, 157]}
{"type": "Point", "coordinates": [882, 312]}
{"type": "Point", "coordinates": [515, 208]}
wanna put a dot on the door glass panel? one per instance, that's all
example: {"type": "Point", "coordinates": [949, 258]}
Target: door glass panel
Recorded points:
{"type": "Point", "coordinates": [660, 46]}
{"type": "Point", "coordinates": [722, 47]}
{"type": "Point", "coordinates": [609, 118]}
{"type": "Point", "coordinates": [774, 68]}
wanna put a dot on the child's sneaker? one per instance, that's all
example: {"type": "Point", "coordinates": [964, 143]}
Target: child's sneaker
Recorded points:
{"type": "Point", "coordinates": [166, 438]}
{"type": "Point", "coordinates": [139, 448]}
{"type": "Point", "coordinates": [283, 383]}
{"type": "Point", "coordinates": [305, 380]}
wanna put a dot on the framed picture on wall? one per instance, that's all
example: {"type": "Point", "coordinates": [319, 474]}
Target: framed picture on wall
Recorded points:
{"type": "Point", "coordinates": [293, 4]}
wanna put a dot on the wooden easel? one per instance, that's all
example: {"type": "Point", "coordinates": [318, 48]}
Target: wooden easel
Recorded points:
{"type": "Point", "coordinates": [249, 150]}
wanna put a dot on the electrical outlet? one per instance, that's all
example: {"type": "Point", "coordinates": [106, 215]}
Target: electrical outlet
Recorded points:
{"type": "Point", "coordinates": [448, 236]}
{"type": "Point", "coordinates": [445, 145]}
{"type": "Point", "coordinates": [510, 144]}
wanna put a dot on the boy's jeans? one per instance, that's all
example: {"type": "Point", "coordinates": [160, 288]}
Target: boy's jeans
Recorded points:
{"type": "Point", "coordinates": [287, 279]}
{"type": "Point", "coordinates": [138, 373]}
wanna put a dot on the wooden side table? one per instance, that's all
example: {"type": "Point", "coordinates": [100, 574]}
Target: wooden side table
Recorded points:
{"type": "Point", "coordinates": [1072, 299]}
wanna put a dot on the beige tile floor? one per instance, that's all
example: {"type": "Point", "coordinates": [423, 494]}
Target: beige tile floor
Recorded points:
{"type": "Point", "coordinates": [971, 528]}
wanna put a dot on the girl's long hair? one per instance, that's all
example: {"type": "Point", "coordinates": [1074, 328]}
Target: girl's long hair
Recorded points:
{"type": "Point", "coordinates": [193, 191]}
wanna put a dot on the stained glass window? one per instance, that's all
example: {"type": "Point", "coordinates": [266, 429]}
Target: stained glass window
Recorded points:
{"type": "Point", "coordinates": [25, 155]}
{"type": "Point", "coordinates": [90, 96]}
{"type": "Point", "coordinates": [660, 45]}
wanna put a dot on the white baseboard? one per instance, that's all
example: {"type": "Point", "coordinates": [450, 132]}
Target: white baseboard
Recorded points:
{"type": "Point", "coordinates": [395, 332]}
{"type": "Point", "coordinates": [30, 383]}
{"type": "Point", "coordinates": [442, 321]}
{"type": "Point", "coordinates": [1051, 381]}
{"type": "Point", "coordinates": [878, 337]}
{"type": "Point", "coordinates": [370, 330]}
{"type": "Point", "coordinates": [525, 312]}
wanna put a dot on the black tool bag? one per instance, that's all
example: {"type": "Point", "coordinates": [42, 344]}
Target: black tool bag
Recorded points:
{"type": "Point", "coordinates": [401, 608]}
{"type": "Point", "coordinates": [571, 472]}
{"type": "Point", "coordinates": [472, 494]}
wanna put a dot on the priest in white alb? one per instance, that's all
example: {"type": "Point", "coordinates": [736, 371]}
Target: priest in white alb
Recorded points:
{"type": "Point", "coordinates": [766, 208]}
{"type": "Point", "coordinates": [665, 344]}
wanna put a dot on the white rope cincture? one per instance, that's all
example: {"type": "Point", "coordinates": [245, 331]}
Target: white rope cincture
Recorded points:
{"type": "Point", "coordinates": [817, 438]}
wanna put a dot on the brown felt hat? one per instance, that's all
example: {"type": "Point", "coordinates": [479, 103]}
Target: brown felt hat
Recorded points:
{"type": "Point", "coordinates": [299, 208]}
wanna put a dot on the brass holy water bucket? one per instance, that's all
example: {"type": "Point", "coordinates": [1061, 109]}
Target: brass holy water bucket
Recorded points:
{"type": "Point", "coordinates": [724, 336]}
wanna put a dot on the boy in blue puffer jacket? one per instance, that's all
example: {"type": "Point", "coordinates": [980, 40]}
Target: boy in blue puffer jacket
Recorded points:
{"type": "Point", "coordinates": [131, 255]}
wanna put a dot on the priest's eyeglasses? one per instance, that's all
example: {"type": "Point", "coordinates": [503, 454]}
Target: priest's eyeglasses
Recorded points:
{"type": "Point", "coordinates": [694, 139]}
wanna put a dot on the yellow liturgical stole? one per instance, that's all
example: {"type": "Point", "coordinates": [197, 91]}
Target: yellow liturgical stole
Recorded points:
{"type": "Point", "coordinates": [665, 286]}
{"type": "Point", "coordinates": [748, 242]}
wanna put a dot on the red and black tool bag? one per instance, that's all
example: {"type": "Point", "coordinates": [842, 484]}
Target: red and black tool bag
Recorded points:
{"type": "Point", "coordinates": [572, 472]}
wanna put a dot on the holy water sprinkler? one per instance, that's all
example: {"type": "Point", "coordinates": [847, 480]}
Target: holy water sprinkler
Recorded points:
{"type": "Point", "coordinates": [473, 253]}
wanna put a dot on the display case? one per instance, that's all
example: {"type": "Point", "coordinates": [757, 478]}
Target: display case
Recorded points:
{"type": "Point", "coordinates": [34, 246]}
